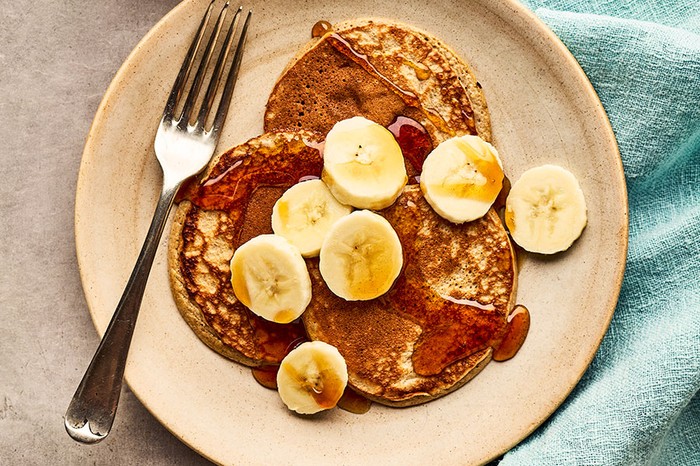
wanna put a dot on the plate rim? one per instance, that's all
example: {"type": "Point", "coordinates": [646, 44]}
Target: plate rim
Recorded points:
{"type": "Point", "coordinates": [498, 7]}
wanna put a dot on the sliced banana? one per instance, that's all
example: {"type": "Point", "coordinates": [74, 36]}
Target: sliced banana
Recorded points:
{"type": "Point", "coordinates": [312, 377]}
{"type": "Point", "coordinates": [461, 178]}
{"type": "Point", "coordinates": [361, 256]}
{"type": "Point", "coordinates": [304, 214]}
{"type": "Point", "coordinates": [546, 210]}
{"type": "Point", "coordinates": [363, 164]}
{"type": "Point", "coordinates": [270, 278]}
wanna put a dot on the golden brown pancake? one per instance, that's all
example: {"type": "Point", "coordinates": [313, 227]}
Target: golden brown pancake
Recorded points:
{"type": "Point", "coordinates": [231, 203]}
{"type": "Point", "coordinates": [378, 69]}
{"type": "Point", "coordinates": [435, 329]}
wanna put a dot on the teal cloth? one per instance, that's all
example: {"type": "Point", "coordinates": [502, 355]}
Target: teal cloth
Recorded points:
{"type": "Point", "coordinates": [639, 402]}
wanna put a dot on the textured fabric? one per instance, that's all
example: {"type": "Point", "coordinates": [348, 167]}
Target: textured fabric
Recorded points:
{"type": "Point", "coordinates": [639, 402]}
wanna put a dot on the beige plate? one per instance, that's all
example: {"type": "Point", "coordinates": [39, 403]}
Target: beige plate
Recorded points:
{"type": "Point", "coordinates": [543, 110]}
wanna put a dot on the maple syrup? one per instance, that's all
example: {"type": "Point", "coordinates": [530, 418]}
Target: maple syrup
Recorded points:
{"type": "Point", "coordinates": [266, 376]}
{"type": "Point", "coordinates": [452, 328]}
{"type": "Point", "coordinates": [414, 141]}
{"type": "Point", "coordinates": [515, 334]}
{"type": "Point", "coordinates": [499, 204]}
{"type": "Point", "coordinates": [320, 28]}
{"type": "Point", "coordinates": [422, 71]}
{"type": "Point", "coordinates": [353, 402]}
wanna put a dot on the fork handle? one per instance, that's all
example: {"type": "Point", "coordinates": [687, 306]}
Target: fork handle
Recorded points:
{"type": "Point", "coordinates": [91, 412]}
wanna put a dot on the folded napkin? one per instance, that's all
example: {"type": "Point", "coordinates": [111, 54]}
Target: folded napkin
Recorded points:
{"type": "Point", "coordinates": [639, 402]}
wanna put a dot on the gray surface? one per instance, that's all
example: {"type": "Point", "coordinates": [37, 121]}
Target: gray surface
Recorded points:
{"type": "Point", "coordinates": [57, 60]}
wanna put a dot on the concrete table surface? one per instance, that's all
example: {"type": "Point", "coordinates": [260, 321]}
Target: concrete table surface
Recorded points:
{"type": "Point", "coordinates": [57, 60]}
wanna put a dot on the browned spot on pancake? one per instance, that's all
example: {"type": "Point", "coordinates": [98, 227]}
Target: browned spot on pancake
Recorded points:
{"type": "Point", "coordinates": [324, 87]}
{"type": "Point", "coordinates": [369, 335]}
{"type": "Point", "coordinates": [258, 212]}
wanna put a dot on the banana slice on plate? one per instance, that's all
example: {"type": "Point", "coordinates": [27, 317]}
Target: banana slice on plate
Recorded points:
{"type": "Point", "coordinates": [546, 210]}
{"type": "Point", "coordinates": [363, 164]}
{"type": "Point", "coordinates": [270, 278]}
{"type": "Point", "coordinates": [461, 178]}
{"type": "Point", "coordinates": [361, 256]}
{"type": "Point", "coordinates": [312, 377]}
{"type": "Point", "coordinates": [304, 214]}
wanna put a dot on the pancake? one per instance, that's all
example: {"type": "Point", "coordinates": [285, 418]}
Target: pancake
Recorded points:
{"type": "Point", "coordinates": [380, 70]}
{"type": "Point", "coordinates": [437, 327]}
{"type": "Point", "coordinates": [228, 205]}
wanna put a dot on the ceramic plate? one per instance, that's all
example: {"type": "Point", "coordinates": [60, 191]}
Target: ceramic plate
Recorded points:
{"type": "Point", "coordinates": [543, 109]}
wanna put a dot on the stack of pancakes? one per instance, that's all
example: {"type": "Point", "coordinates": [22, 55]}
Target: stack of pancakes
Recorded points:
{"type": "Point", "coordinates": [438, 325]}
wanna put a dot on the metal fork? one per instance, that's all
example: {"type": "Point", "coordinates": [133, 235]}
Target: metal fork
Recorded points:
{"type": "Point", "coordinates": [183, 148]}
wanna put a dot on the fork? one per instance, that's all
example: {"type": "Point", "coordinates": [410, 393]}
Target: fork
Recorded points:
{"type": "Point", "coordinates": [183, 148]}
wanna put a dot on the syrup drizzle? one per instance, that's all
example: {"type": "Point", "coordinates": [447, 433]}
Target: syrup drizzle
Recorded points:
{"type": "Point", "coordinates": [414, 141]}
{"type": "Point", "coordinates": [422, 71]}
{"type": "Point", "coordinates": [515, 334]}
{"type": "Point", "coordinates": [453, 328]}
{"type": "Point", "coordinates": [346, 49]}
{"type": "Point", "coordinates": [409, 98]}
{"type": "Point", "coordinates": [321, 28]}
{"type": "Point", "coordinates": [266, 376]}
{"type": "Point", "coordinates": [231, 189]}
{"type": "Point", "coordinates": [353, 402]}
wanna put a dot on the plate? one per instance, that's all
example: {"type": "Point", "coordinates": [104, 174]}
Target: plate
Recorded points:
{"type": "Point", "coordinates": [544, 110]}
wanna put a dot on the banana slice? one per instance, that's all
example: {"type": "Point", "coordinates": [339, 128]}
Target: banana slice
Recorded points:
{"type": "Point", "coordinates": [546, 210]}
{"type": "Point", "coordinates": [361, 256]}
{"type": "Point", "coordinates": [270, 278]}
{"type": "Point", "coordinates": [312, 377]}
{"type": "Point", "coordinates": [304, 214]}
{"type": "Point", "coordinates": [461, 178]}
{"type": "Point", "coordinates": [363, 164]}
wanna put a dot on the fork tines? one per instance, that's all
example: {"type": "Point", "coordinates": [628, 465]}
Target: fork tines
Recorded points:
{"type": "Point", "coordinates": [204, 73]}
